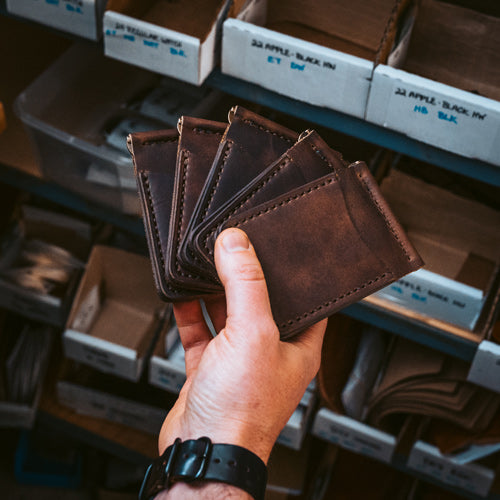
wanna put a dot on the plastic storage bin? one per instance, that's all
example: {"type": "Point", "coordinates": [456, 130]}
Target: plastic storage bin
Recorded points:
{"type": "Point", "coordinates": [79, 112]}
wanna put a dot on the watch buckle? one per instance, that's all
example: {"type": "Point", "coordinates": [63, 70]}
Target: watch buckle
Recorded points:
{"type": "Point", "coordinates": [204, 458]}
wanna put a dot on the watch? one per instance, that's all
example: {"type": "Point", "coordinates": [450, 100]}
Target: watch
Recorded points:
{"type": "Point", "coordinates": [201, 460]}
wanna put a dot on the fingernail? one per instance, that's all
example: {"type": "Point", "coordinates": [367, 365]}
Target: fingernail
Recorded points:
{"type": "Point", "coordinates": [235, 240]}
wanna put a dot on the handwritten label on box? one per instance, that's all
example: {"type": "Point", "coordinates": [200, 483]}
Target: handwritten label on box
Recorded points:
{"type": "Point", "coordinates": [485, 367]}
{"type": "Point", "coordinates": [428, 460]}
{"type": "Point", "coordinates": [353, 435]}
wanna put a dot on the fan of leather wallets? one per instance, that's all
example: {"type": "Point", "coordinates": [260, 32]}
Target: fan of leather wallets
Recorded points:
{"type": "Point", "coordinates": [322, 231]}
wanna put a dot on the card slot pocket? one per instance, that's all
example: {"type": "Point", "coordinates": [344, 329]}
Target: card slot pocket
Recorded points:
{"type": "Point", "coordinates": [323, 262]}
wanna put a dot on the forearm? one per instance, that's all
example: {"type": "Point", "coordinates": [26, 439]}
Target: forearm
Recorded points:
{"type": "Point", "coordinates": [203, 491]}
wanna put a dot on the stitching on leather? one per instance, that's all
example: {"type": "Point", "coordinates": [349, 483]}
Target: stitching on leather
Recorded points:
{"type": "Point", "coordinates": [384, 215]}
{"type": "Point", "coordinates": [261, 127]}
{"type": "Point", "coordinates": [199, 130]}
{"type": "Point", "coordinates": [252, 193]}
{"type": "Point", "coordinates": [305, 315]}
{"type": "Point", "coordinates": [274, 207]}
{"type": "Point", "coordinates": [323, 157]}
{"type": "Point", "coordinates": [287, 201]}
{"type": "Point", "coordinates": [249, 196]}
{"type": "Point", "coordinates": [185, 163]}
{"type": "Point", "coordinates": [156, 233]}
{"type": "Point", "coordinates": [227, 150]}
{"type": "Point", "coordinates": [150, 142]}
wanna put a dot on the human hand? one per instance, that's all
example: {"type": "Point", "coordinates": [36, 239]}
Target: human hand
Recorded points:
{"type": "Point", "coordinates": [243, 385]}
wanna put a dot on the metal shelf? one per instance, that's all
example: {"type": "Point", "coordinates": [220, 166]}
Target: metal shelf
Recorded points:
{"type": "Point", "coordinates": [399, 324]}
{"type": "Point", "coordinates": [461, 347]}
{"type": "Point", "coordinates": [66, 198]}
{"type": "Point", "coordinates": [357, 127]}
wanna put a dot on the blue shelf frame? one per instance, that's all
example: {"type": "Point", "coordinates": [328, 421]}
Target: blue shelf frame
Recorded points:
{"type": "Point", "coordinates": [356, 127]}
{"type": "Point", "coordinates": [58, 194]}
{"type": "Point", "coordinates": [397, 324]}
{"type": "Point", "coordinates": [413, 330]}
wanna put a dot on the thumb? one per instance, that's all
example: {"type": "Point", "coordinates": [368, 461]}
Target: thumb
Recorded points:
{"type": "Point", "coordinates": [239, 270]}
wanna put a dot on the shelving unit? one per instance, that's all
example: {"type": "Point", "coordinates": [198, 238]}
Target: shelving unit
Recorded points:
{"type": "Point", "coordinates": [356, 127]}
{"type": "Point", "coordinates": [462, 346]}
{"type": "Point", "coordinates": [139, 448]}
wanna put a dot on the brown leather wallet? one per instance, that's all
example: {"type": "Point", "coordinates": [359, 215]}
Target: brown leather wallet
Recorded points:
{"type": "Point", "coordinates": [322, 231]}
{"type": "Point", "coordinates": [198, 143]}
{"type": "Point", "coordinates": [250, 143]}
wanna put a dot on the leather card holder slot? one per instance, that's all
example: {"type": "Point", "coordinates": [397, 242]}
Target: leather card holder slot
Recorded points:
{"type": "Point", "coordinates": [314, 258]}
{"type": "Point", "coordinates": [250, 143]}
{"type": "Point", "coordinates": [198, 143]}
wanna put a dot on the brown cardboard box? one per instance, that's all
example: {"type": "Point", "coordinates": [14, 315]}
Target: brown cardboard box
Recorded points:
{"type": "Point", "coordinates": [456, 46]}
{"type": "Point", "coordinates": [116, 315]}
{"type": "Point", "coordinates": [356, 27]}
{"type": "Point", "coordinates": [458, 240]}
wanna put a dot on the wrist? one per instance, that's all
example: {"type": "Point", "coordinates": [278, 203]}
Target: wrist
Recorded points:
{"type": "Point", "coordinates": [200, 462]}
{"type": "Point", "coordinates": [204, 491]}
{"type": "Point", "coordinates": [233, 433]}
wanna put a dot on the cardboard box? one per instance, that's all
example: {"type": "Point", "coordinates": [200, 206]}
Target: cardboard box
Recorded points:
{"type": "Point", "coordinates": [98, 395]}
{"type": "Point", "coordinates": [78, 17]}
{"type": "Point", "coordinates": [323, 55]}
{"type": "Point", "coordinates": [166, 366]}
{"type": "Point", "coordinates": [297, 427]}
{"type": "Point", "coordinates": [446, 92]}
{"type": "Point", "coordinates": [178, 39]}
{"type": "Point", "coordinates": [485, 367]}
{"type": "Point", "coordinates": [353, 435]}
{"type": "Point", "coordinates": [287, 470]}
{"type": "Point", "coordinates": [67, 233]}
{"type": "Point", "coordinates": [427, 460]}
{"type": "Point", "coordinates": [459, 249]}
{"type": "Point", "coordinates": [116, 314]}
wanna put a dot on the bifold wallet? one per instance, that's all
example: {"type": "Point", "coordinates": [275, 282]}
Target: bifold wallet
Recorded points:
{"type": "Point", "coordinates": [322, 231]}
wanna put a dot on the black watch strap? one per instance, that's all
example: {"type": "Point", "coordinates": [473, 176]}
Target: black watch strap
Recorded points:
{"type": "Point", "coordinates": [200, 460]}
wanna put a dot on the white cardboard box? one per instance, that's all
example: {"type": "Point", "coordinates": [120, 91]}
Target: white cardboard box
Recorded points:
{"type": "Point", "coordinates": [168, 372]}
{"type": "Point", "coordinates": [115, 314]}
{"type": "Point", "coordinates": [459, 249]}
{"type": "Point", "coordinates": [473, 478]}
{"type": "Point", "coordinates": [78, 17]}
{"type": "Point", "coordinates": [100, 404]}
{"type": "Point", "coordinates": [437, 297]}
{"type": "Point", "coordinates": [485, 367]}
{"type": "Point", "coordinates": [293, 66]}
{"type": "Point", "coordinates": [159, 48]}
{"type": "Point", "coordinates": [435, 113]}
{"type": "Point", "coordinates": [353, 435]}
{"type": "Point", "coordinates": [298, 425]}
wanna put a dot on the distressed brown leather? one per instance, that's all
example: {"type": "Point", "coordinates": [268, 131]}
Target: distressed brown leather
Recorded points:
{"type": "Point", "coordinates": [300, 164]}
{"type": "Point", "coordinates": [250, 144]}
{"type": "Point", "coordinates": [198, 144]}
{"type": "Point", "coordinates": [321, 229]}
{"type": "Point", "coordinates": [154, 155]}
